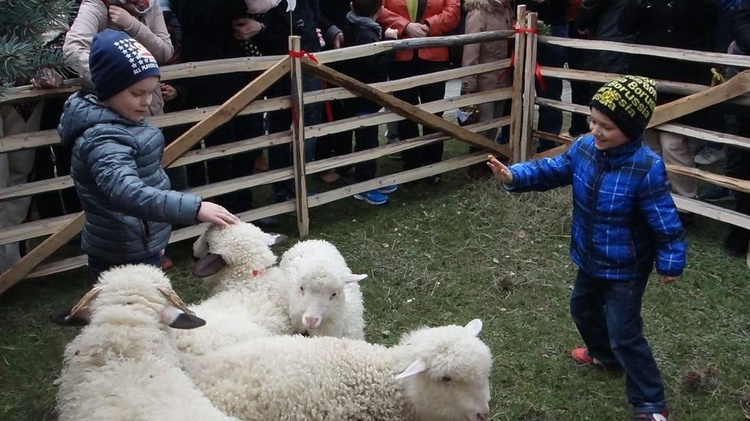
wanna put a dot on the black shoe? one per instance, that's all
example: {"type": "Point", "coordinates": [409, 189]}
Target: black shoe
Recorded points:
{"type": "Point", "coordinates": [736, 244]}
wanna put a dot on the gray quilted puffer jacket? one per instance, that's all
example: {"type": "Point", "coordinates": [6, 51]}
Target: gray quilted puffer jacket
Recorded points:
{"type": "Point", "coordinates": [116, 168]}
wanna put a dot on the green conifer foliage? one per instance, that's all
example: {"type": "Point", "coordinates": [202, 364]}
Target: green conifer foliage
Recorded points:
{"type": "Point", "coordinates": [27, 29]}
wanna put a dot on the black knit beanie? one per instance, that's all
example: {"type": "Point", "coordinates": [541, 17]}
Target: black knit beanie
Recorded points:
{"type": "Point", "coordinates": [629, 101]}
{"type": "Point", "coordinates": [117, 62]}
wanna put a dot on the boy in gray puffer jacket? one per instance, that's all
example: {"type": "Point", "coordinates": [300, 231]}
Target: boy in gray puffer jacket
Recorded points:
{"type": "Point", "coordinates": [116, 163]}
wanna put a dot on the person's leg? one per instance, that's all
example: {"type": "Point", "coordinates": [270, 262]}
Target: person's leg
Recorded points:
{"type": "Point", "coordinates": [643, 381]}
{"type": "Point", "coordinates": [736, 242]}
{"type": "Point", "coordinates": [48, 204]}
{"type": "Point", "coordinates": [313, 114]}
{"type": "Point", "coordinates": [580, 92]}
{"type": "Point", "coordinates": [15, 168]}
{"type": "Point", "coordinates": [365, 138]}
{"type": "Point", "coordinates": [220, 169]}
{"type": "Point", "coordinates": [550, 119]}
{"type": "Point", "coordinates": [588, 313]}
{"type": "Point", "coordinates": [433, 152]}
{"type": "Point", "coordinates": [675, 150]}
{"type": "Point", "coordinates": [243, 164]}
{"type": "Point", "coordinates": [97, 265]}
{"type": "Point", "coordinates": [407, 129]}
{"type": "Point", "coordinates": [70, 199]}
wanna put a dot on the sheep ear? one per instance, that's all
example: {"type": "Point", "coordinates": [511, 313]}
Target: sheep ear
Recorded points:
{"type": "Point", "coordinates": [416, 367]}
{"type": "Point", "coordinates": [474, 326]}
{"type": "Point", "coordinates": [352, 278]}
{"type": "Point", "coordinates": [208, 265]}
{"type": "Point", "coordinates": [80, 314]}
{"type": "Point", "coordinates": [175, 318]}
{"type": "Point", "coordinates": [276, 239]}
{"type": "Point", "coordinates": [174, 299]}
{"type": "Point", "coordinates": [200, 246]}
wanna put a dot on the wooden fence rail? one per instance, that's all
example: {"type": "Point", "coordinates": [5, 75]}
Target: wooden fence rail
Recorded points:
{"type": "Point", "coordinates": [61, 229]}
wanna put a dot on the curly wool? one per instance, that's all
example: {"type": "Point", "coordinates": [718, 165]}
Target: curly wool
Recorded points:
{"type": "Point", "coordinates": [293, 378]}
{"type": "Point", "coordinates": [317, 267]}
{"type": "Point", "coordinates": [249, 295]}
{"type": "Point", "coordinates": [124, 363]}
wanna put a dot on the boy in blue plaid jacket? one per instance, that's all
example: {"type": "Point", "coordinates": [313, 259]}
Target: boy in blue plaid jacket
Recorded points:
{"type": "Point", "coordinates": [624, 220]}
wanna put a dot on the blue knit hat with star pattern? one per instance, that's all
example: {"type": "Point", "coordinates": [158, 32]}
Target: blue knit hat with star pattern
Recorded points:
{"type": "Point", "coordinates": [117, 62]}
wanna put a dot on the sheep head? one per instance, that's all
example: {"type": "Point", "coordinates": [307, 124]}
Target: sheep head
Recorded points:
{"type": "Point", "coordinates": [141, 291]}
{"type": "Point", "coordinates": [239, 245]}
{"type": "Point", "coordinates": [318, 292]}
{"type": "Point", "coordinates": [447, 377]}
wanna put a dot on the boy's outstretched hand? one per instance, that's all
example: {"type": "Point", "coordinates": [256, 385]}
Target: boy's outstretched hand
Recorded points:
{"type": "Point", "coordinates": [216, 214]}
{"type": "Point", "coordinates": [663, 280]}
{"type": "Point", "coordinates": [501, 171]}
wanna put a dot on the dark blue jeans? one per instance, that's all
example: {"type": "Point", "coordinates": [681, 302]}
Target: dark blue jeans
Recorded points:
{"type": "Point", "coordinates": [97, 266]}
{"type": "Point", "coordinates": [608, 317]}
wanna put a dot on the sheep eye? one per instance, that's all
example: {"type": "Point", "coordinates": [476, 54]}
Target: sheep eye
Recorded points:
{"type": "Point", "coordinates": [333, 295]}
{"type": "Point", "coordinates": [129, 303]}
{"type": "Point", "coordinates": [302, 289]}
{"type": "Point", "coordinates": [446, 379]}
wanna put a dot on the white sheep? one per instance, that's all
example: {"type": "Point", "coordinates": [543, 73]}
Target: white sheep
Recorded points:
{"type": "Point", "coordinates": [324, 295]}
{"type": "Point", "coordinates": [123, 364]}
{"type": "Point", "coordinates": [433, 374]}
{"type": "Point", "coordinates": [248, 294]}
{"type": "Point", "coordinates": [230, 256]}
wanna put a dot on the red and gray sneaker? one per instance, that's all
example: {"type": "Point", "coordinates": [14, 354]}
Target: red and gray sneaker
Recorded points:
{"type": "Point", "coordinates": [652, 416]}
{"type": "Point", "coordinates": [581, 356]}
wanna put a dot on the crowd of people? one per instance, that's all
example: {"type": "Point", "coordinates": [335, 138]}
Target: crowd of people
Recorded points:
{"type": "Point", "coordinates": [114, 154]}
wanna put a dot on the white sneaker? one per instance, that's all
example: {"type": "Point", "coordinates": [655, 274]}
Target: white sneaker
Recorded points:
{"type": "Point", "coordinates": [709, 155]}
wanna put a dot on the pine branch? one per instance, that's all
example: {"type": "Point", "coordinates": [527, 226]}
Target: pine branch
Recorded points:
{"type": "Point", "coordinates": [26, 29]}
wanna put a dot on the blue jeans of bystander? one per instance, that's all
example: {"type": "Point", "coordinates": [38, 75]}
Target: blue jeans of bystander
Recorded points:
{"type": "Point", "coordinates": [97, 266]}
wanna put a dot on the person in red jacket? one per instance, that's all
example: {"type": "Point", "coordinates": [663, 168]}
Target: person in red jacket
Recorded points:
{"type": "Point", "coordinates": [417, 19]}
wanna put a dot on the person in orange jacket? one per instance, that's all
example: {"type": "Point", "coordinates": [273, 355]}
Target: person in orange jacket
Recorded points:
{"type": "Point", "coordinates": [417, 19]}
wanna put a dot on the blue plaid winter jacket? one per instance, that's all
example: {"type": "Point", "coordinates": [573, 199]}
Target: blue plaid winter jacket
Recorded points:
{"type": "Point", "coordinates": [623, 215]}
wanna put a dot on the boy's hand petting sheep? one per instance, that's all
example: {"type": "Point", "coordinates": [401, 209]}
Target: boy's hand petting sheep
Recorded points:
{"type": "Point", "coordinates": [500, 170]}
{"type": "Point", "coordinates": [216, 214]}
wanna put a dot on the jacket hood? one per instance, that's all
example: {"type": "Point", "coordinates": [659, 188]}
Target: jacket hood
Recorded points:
{"type": "Point", "coordinates": [83, 111]}
{"type": "Point", "coordinates": [486, 4]}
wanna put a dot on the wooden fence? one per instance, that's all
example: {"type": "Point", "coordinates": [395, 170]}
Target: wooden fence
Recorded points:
{"type": "Point", "coordinates": [59, 230]}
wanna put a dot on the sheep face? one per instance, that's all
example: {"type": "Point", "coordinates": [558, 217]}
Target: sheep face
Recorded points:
{"type": "Point", "coordinates": [448, 378]}
{"type": "Point", "coordinates": [318, 293]}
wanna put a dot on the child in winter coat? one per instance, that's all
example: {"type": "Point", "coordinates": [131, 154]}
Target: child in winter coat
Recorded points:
{"type": "Point", "coordinates": [116, 164]}
{"type": "Point", "coordinates": [624, 219]}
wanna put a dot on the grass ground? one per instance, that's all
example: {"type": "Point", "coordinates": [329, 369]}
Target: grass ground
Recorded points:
{"type": "Point", "coordinates": [451, 253]}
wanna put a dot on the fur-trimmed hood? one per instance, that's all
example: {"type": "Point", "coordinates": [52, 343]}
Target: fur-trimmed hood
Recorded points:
{"type": "Point", "coordinates": [486, 4]}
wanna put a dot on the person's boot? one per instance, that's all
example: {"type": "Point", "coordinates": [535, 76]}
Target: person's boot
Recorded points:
{"type": "Point", "coordinates": [736, 243]}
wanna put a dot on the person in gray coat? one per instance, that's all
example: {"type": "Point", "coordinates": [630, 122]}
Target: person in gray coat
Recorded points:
{"type": "Point", "coordinates": [116, 160]}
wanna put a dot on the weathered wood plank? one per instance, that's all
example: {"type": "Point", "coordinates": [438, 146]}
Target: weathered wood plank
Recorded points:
{"type": "Point", "coordinates": [401, 107]}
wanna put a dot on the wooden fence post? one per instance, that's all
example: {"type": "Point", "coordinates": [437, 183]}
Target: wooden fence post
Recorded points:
{"type": "Point", "coordinates": [517, 111]}
{"type": "Point", "coordinates": [298, 138]}
{"type": "Point", "coordinates": [529, 90]}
